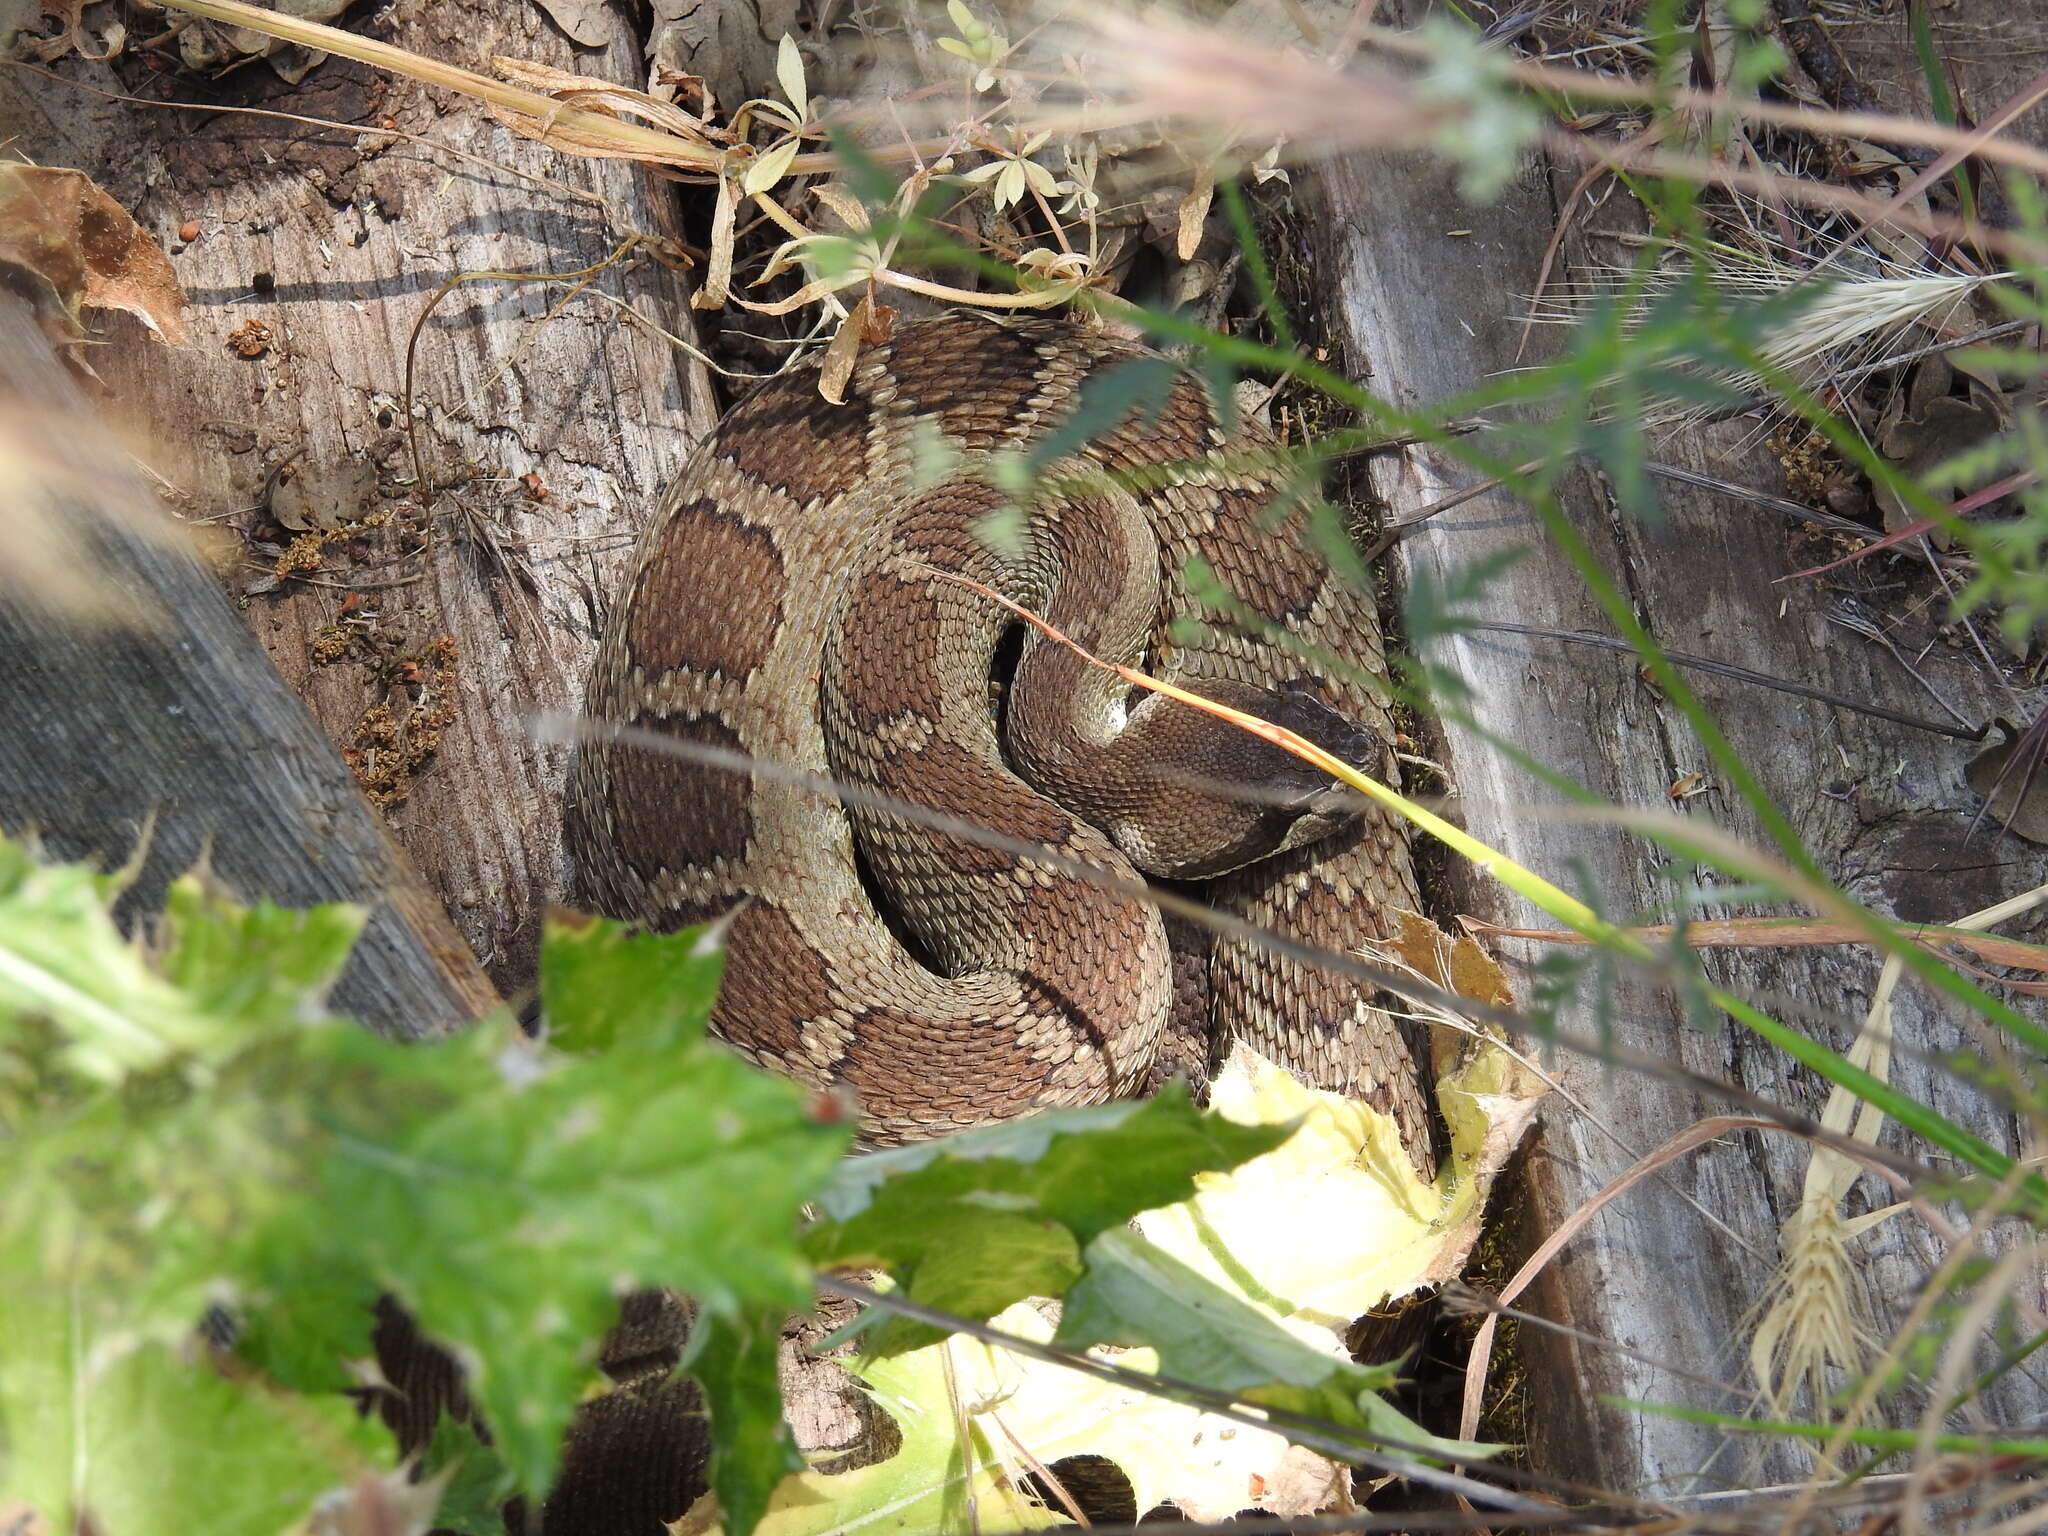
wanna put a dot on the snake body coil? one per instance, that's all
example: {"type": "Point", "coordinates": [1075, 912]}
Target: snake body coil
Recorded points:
{"type": "Point", "coordinates": [789, 603]}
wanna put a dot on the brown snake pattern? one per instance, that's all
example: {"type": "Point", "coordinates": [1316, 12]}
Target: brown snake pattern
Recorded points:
{"type": "Point", "coordinates": [787, 603]}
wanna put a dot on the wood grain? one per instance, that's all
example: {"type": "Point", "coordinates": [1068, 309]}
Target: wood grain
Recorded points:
{"type": "Point", "coordinates": [1670, 1269]}
{"type": "Point", "coordinates": [335, 242]}
{"type": "Point", "coordinates": [182, 732]}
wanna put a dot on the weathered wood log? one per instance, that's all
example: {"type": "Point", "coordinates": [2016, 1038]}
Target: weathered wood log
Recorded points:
{"type": "Point", "coordinates": [547, 420]}
{"type": "Point", "coordinates": [1664, 1276]}
{"type": "Point", "coordinates": [548, 436]}
{"type": "Point", "coordinates": [170, 738]}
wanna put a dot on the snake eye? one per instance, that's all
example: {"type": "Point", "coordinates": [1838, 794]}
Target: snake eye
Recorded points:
{"type": "Point", "coordinates": [1297, 707]}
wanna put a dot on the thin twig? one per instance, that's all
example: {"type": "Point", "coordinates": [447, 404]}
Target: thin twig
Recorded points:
{"type": "Point", "coordinates": [1848, 613]}
{"type": "Point", "coordinates": [1729, 670]}
{"type": "Point", "coordinates": [1337, 1441]}
{"type": "Point", "coordinates": [1787, 933]}
{"type": "Point", "coordinates": [1797, 510]}
{"type": "Point", "coordinates": [358, 129]}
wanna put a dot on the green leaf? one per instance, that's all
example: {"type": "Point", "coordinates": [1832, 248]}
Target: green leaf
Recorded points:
{"type": "Point", "coordinates": [508, 1216]}
{"type": "Point", "coordinates": [176, 1141]}
{"type": "Point", "coordinates": [992, 1258]}
{"type": "Point", "coordinates": [1076, 1172]}
{"type": "Point", "coordinates": [732, 1355]}
{"type": "Point", "coordinates": [1134, 1295]}
{"type": "Point", "coordinates": [257, 966]}
{"type": "Point", "coordinates": [132, 1438]}
{"type": "Point", "coordinates": [62, 960]}
{"type": "Point", "coordinates": [1142, 385]}
{"type": "Point", "coordinates": [477, 1482]}
{"type": "Point", "coordinates": [603, 986]}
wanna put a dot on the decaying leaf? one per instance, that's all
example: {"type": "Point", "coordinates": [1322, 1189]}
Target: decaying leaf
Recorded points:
{"type": "Point", "coordinates": [207, 45]}
{"type": "Point", "coordinates": [1458, 965]}
{"type": "Point", "coordinates": [72, 36]}
{"type": "Point", "coordinates": [1312, 1234]}
{"type": "Point", "coordinates": [1337, 1222]}
{"type": "Point", "coordinates": [1925, 426]}
{"type": "Point", "coordinates": [1022, 1414]}
{"type": "Point", "coordinates": [855, 331]}
{"type": "Point", "coordinates": [324, 496]}
{"type": "Point", "coordinates": [588, 22]}
{"type": "Point", "coordinates": [1191, 214]}
{"type": "Point", "coordinates": [2013, 778]}
{"type": "Point", "coordinates": [600, 97]}
{"type": "Point", "coordinates": [82, 251]}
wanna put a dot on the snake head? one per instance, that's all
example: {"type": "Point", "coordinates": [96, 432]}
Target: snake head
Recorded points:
{"type": "Point", "coordinates": [1226, 798]}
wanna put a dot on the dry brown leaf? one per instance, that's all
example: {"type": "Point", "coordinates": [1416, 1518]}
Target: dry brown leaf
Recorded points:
{"type": "Point", "coordinates": [1456, 964]}
{"type": "Point", "coordinates": [213, 45]}
{"type": "Point", "coordinates": [18, 16]}
{"type": "Point", "coordinates": [79, 246]}
{"type": "Point", "coordinates": [599, 96]}
{"type": "Point", "coordinates": [1477, 975]}
{"type": "Point", "coordinates": [837, 367]}
{"type": "Point", "coordinates": [1193, 213]}
{"type": "Point", "coordinates": [2017, 791]}
{"type": "Point", "coordinates": [588, 22]}
{"type": "Point", "coordinates": [1418, 944]}
{"type": "Point", "coordinates": [716, 285]}
{"type": "Point", "coordinates": [1924, 426]}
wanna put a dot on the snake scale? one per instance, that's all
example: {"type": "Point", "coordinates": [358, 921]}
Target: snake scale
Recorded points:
{"type": "Point", "coordinates": [790, 602]}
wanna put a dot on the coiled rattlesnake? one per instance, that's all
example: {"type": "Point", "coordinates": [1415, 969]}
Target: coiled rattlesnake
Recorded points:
{"type": "Point", "coordinates": [787, 603]}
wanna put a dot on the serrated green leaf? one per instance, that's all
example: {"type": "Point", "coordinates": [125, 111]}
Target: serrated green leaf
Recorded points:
{"type": "Point", "coordinates": [1080, 1171]}
{"type": "Point", "coordinates": [604, 986]}
{"type": "Point", "coordinates": [62, 959]}
{"type": "Point", "coordinates": [732, 1356]}
{"type": "Point", "coordinates": [477, 1481]}
{"type": "Point", "coordinates": [130, 1438]}
{"type": "Point", "coordinates": [261, 965]}
{"type": "Point", "coordinates": [508, 1217]}
{"type": "Point", "coordinates": [293, 1168]}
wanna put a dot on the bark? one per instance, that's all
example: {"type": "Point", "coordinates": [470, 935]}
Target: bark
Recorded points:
{"type": "Point", "coordinates": [547, 422]}
{"type": "Point", "coordinates": [1669, 1270]}
{"type": "Point", "coordinates": [174, 743]}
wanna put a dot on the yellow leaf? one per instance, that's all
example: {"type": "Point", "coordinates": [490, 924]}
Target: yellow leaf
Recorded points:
{"type": "Point", "coordinates": [1315, 1233]}
{"type": "Point", "coordinates": [1013, 1405]}
{"type": "Point", "coordinates": [769, 167]}
{"type": "Point", "coordinates": [789, 73]}
{"type": "Point", "coordinates": [1336, 1221]}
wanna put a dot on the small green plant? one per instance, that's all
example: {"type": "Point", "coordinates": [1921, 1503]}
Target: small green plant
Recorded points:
{"type": "Point", "coordinates": [211, 1181]}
